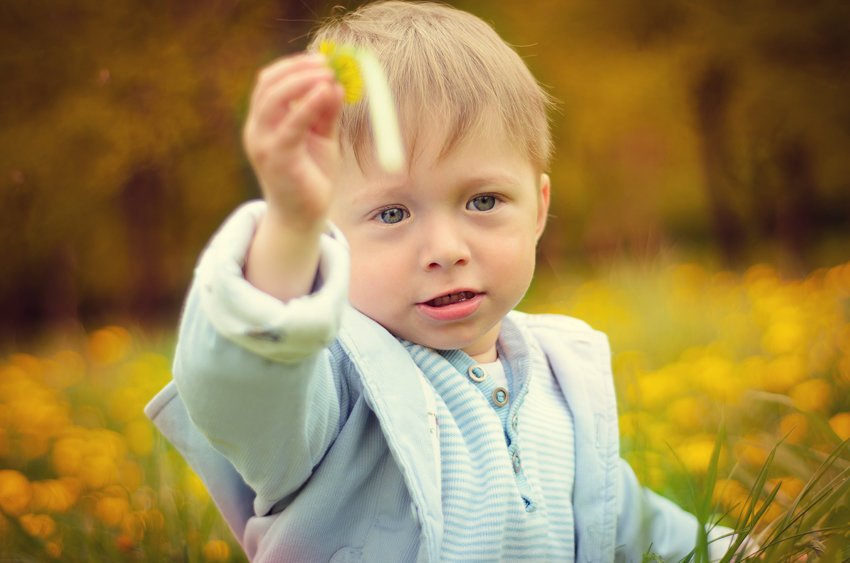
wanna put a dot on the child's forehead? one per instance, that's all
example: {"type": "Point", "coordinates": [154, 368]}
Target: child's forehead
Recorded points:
{"type": "Point", "coordinates": [434, 133]}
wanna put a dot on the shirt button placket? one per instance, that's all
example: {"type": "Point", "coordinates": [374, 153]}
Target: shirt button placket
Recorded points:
{"type": "Point", "coordinates": [477, 373]}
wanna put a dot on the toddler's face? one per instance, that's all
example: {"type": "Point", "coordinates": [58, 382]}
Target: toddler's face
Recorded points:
{"type": "Point", "coordinates": [441, 252]}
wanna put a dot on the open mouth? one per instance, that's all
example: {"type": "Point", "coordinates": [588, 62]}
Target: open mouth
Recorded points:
{"type": "Point", "coordinates": [450, 299]}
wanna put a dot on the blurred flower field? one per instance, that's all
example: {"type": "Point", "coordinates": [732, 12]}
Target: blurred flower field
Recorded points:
{"type": "Point", "coordinates": [83, 474]}
{"type": "Point", "coordinates": [766, 359]}
{"type": "Point", "coordinates": [85, 477]}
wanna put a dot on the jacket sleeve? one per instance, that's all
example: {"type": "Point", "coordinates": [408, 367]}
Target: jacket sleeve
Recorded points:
{"type": "Point", "coordinates": [649, 522]}
{"type": "Point", "coordinates": [254, 373]}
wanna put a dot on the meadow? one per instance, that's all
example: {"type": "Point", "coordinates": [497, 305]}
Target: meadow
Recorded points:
{"type": "Point", "coordinates": [734, 398]}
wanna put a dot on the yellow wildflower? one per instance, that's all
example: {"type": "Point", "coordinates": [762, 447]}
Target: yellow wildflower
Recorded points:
{"type": "Point", "coordinates": [355, 67]}
{"type": "Point", "coordinates": [345, 67]}
{"type": "Point", "coordinates": [38, 525]}
{"type": "Point", "coordinates": [67, 455]}
{"type": "Point", "coordinates": [109, 345]}
{"type": "Point", "coordinates": [98, 472]}
{"type": "Point", "coordinates": [193, 485]}
{"type": "Point", "coordinates": [55, 495]}
{"type": "Point", "coordinates": [730, 495]}
{"type": "Point", "coordinates": [695, 453]}
{"type": "Point", "coordinates": [795, 426]}
{"type": "Point", "coordinates": [54, 548]}
{"type": "Point", "coordinates": [840, 424]}
{"type": "Point", "coordinates": [750, 449]}
{"type": "Point", "coordinates": [814, 395]}
{"type": "Point", "coordinates": [15, 492]}
{"type": "Point", "coordinates": [111, 510]}
{"type": "Point", "coordinates": [216, 550]}
{"type": "Point", "coordinates": [133, 526]}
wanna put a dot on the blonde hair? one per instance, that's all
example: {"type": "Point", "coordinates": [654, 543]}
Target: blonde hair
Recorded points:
{"type": "Point", "coordinates": [443, 63]}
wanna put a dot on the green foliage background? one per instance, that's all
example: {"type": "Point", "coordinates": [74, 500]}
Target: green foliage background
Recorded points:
{"type": "Point", "coordinates": [713, 131]}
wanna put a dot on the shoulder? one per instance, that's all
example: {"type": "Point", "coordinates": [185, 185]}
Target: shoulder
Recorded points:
{"type": "Point", "coordinates": [563, 337]}
{"type": "Point", "coordinates": [554, 323]}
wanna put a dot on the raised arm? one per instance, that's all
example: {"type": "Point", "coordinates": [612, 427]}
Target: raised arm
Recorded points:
{"type": "Point", "coordinates": [290, 138]}
{"type": "Point", "coordinates": [252, 365]}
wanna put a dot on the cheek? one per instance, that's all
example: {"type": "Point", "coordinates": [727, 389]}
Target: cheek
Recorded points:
{"type": "Point", "coordinates": [513, 258]}
{"type": "Point", "coordinates": [516, 245]}
{"type": "Point", "coordinates": [373, 281]}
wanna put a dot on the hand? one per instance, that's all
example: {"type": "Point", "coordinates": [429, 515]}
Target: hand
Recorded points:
{"type": "Point", "coordinates": [290, 137]}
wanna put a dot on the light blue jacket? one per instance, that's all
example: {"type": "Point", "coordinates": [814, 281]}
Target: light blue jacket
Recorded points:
{"type": "Point", "coordinates": [312, 429]}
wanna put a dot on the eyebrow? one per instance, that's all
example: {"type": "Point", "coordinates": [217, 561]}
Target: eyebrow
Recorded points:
{"type": "Point", "coordinates": [392, 190]}
{"type": "Point", "coordinates": [492, 179]}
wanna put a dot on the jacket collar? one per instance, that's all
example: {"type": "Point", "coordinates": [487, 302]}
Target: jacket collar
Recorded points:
{"type": "Point", "coordinates": [392, 387]}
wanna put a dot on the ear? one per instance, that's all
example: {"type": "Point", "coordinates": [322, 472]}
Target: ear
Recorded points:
{"type": "Point", "coordinates": [542, 204]}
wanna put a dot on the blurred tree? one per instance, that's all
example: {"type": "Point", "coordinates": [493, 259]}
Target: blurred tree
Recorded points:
{"type": "Point", "coordinates": [120, 145]}
{"type": "Point", "coordinates": [747, 103]}
{"type": "Point", "coordinates": [682, 125]}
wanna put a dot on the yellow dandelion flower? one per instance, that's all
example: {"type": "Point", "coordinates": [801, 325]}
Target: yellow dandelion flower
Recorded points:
{"type": "Point", "coordinates": [54, 495]}
{"type": "Point", "coordinates": [695, 454]}
{"type": "Point", "coordinates": [795, 426]}
{"type": "Point", "coordinates": [15, 492]}
{"type": "Point", "coordinates": [346, 69]}
{"type": "Point", "coordinates": [133, 526]}
{"type": "Point", "coordinates": [109, 345]}
{"type": "Point", "coordinates": [98, 472]}
{"type": "Point", "coordinates": [194, 486]}
{"type": "Point", "coordinates": [814, 395]}
{"type": "Point", "coordinates": [216, 550]}
{"type": "Point", "coordinates": [750, 449]}
{"type": "Point", "coordinates": [356, 67]}
{"type": "Point", "coordinates": [111, 510]}
{"type": "Point", "coordinates": [840, 424]}
{"type": "Point", "coordinates": [688, 414]}
{"type": "Point", "coordinates": [38, 525]}
{"type": "Point", "coordinates": [67, 456]}
{"type": "Point", "coordinates": [730, 494]}
{"type": "Point", "coordinates": [54, 548]}
{"type": "Point", "coordinates": [789, 488]}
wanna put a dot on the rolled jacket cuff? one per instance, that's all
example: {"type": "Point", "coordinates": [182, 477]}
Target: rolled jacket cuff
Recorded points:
{"type": "Point", "coordinates": [261, 323]}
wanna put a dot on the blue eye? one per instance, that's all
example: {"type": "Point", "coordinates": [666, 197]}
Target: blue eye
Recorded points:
{"type": "Point", "coordinates": [392, 215]}
{"type": "Point", "coordinates": [482, 203]}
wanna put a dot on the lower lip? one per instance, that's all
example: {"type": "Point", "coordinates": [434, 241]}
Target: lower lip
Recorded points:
{"type": "Point", "coordinates": [453, 312]}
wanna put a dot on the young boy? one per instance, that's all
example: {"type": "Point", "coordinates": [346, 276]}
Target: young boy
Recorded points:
{"type": "Point", "coordinates": [351, 382]}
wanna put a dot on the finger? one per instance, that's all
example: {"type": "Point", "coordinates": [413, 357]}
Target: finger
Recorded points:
{"type": "Point", "coordinates": [279, 100]}
{"type": "Point", "coordinates": [329, 111]}
{"type": "Point", "coordinates": [315, 113]}
{"type": "Point", "coordinates": [270, 75]}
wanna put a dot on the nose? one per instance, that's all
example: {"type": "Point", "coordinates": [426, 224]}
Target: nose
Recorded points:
{"type": "Point", "coordinates": [444, 246]}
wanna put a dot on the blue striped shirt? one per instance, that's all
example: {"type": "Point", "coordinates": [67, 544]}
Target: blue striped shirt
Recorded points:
{"type": "Point", "coordinates": [507, 454]}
